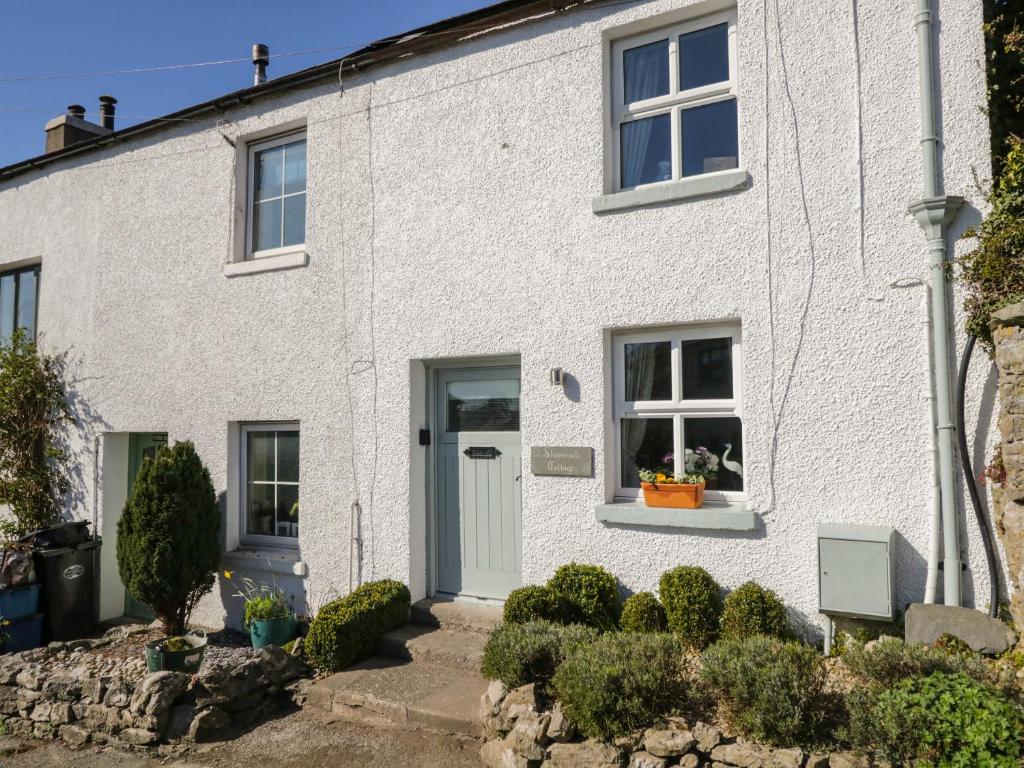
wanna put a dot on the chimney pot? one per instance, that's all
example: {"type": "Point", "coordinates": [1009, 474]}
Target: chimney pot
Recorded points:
{"type": "Point", "coordinates": [76, 110]}
{"type": "Point", "coordinates": [107, 111]}
{"type": "Point", "coordinates": [260, 59]}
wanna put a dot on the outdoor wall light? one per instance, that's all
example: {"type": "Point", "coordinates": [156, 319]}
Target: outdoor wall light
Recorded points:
{"type": "Point", "coordinates": [557, 377]}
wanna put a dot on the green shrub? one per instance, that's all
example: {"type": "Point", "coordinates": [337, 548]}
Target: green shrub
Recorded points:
{"type": "Point", "coordinates": [533, 603]}
{"type": "Point", "coordinates": [751, 610]}
{"type": "Point", "coordinates": [168, 542]}
{"type": "Point", "coordinates": [622, 682]}
{"type": "Point", "coordinates": [589, 593]}
{"type": "Point", "coordinates": [889, 660]}
{"type": "Point", "coordinates": [346, 630]}
{"type": "Point", "coordinates": [643, 613]}
{"type": "Point", "coordinates": [939, 720]}
{"type": "Point", "coordinates": [772, 690]}
{"type": "Point", "coordinates": [693, 604]}
{"type": "Point", "coordinates": [518, 654]}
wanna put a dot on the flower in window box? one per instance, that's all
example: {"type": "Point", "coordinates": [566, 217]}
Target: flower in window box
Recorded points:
{"type": "Point", "coordinates": [676, 491]}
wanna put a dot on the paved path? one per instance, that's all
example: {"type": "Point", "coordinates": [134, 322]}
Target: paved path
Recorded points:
{"type": "Point", "coordinates": [295, 741]}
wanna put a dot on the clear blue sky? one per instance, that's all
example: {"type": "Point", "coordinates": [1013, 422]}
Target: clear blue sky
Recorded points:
{"type": "Point", "coordinates": [68, 37]}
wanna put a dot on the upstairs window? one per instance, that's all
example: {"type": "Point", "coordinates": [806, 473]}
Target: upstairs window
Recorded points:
{"type": "Point", "coordinates": [674, 102]}
{"type": "Point", "coordinates": [677, 391]}
{"type": "Point", "coordinates": [277, 196]}
{"type": "Point", "coordinates": [19, 295]}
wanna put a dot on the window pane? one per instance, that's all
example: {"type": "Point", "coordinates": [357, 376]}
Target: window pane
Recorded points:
{"type": "Point", "coordinates": [288, 456]}
{"type": "Point", "coordinates": [28, 285]}
{"type": "Point", "coordinates": [287, 498]}
{"type": "Point", "coordinates": [483, 406]}
{"type": "Point", "coordinates": [295, 167]}
{"type": "Point", "coordinates": [707, 369]}
{"type": "Point", "coordinates": [295, 220]}
{"type": "Point", "coordinates": [645, 71]}
{"type": "Point", "coordinates": [646, 444]}
{"type": "Point", "coordinates": [648, 370]}
{"type": "Point", "coordinates": [269, 167]}
{"type": "Point", "coordinates": [260, 515]}
{"type": "Point", "coordinates": [260, 452]}
{"type": "Point", "coordinates": [646, 150]}
{"type": "Point", "coordinates": [267, 225]}
{"type": "Point", "coordinates": [6, 308]}
{"type": "Point", "coordinates": [704, 57]}
{"type": "Point", "coordinates": [723, 437]}
{"type": "Point", "coordinates": [710, 140]}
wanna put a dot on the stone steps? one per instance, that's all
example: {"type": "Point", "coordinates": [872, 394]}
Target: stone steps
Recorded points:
{"type": "Point", "coordinates": [445, 647]}
{"type": "Point", "coordinates": [405, 694]}
{"type": "Point", "coordinates": [456, 616]}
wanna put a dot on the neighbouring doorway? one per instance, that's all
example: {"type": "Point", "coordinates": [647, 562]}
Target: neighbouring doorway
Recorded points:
{"type": "Point", "coordinates": [141, 445]}
{"type": "Point", "coordinates": [478, 469]}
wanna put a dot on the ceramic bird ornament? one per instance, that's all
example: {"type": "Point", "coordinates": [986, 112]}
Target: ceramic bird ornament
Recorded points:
{"type": "Point", "coordinates": [732, 466]}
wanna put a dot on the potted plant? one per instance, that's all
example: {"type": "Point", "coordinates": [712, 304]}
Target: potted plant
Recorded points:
{"type": "Point", "coordinates": [701, 461]}
{"type": "Point", "coordinates": [662, 489]}
{"type": "Point", "coordinates": [268, 616]}
{"type": "Point", "coordinates": [168, 548]}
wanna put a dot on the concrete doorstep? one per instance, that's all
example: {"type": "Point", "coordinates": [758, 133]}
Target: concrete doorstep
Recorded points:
{"type": "Point", "coordinates": [426, 675]}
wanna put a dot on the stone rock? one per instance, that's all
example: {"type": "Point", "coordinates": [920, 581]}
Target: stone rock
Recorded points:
{"type": "Point", "coordinates": [689, 761]}
{"type": "Point", "coordinates": [118, 694]}
{"type": "Point", "coordinates": [492, 699]}
{"type": "Point", "coordinates": [784, 758]}
{"type": "Point", "coordinates": [92, 690]}
{"type": "Point", "coordinates": [43, 731]}
{"type": "Point", "coordinates": [523, 699]}
{"type": "Point", "coordinates": [708, 737]}
{"type": "Point", "coordinates": [61, 713]}
{"type": "Point", "coordinates": [279, 666]}
{"type": "Point", "coordinates": [230, 687]}
{"type": "Point", "coordinates": [668, 742]}
{"type": "Point", "coordinates": [41, 712]}
{"type": "Point", "coordinates": [497, 754]}
{"type": "Point", "coordinates": [179, 721]}
{"type": "Point", "coordinates": [30, 678]}
{"type": "Point", "coordinates": [926, 623]}
{"type": "Point", "coordinates": [62, 687]}
{"type": "Point", "coordinates": [646, 760]}
{"type": "Point", "coordinates": [139, 736]}
{"type": "Point", "coordinates": [157, 692]}
{"type": "Point", "coordinates": [209, 725]}
{"type": "Point", "coordinates": [585, 754]}
{"type": "Point", "coordinates": [817, 760]}
{"type": "Point", "coordinates": [1010, 315]}
{"type": "Point", "coordinates": [27, 700]}
{"type": "Point", "coordinates": [8, 700]}
{"type": "Point", "coordinates": [561, 728]}
{"type": "Point", "coordinates": [740, 755]}
{"type": "Point", "coordinates": [75, 735]}
{"type": "Point", "coordinates": [847, 760]}
{"type": "Point", "coordinates": [529, 736]}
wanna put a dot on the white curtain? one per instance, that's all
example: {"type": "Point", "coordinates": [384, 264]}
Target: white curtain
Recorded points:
{"type": "Point", "coordinates": [639, 362]}
{"type": "Point", "coordinates": [643, 73]}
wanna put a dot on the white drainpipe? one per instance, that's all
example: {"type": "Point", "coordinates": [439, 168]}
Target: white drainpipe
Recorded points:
{"type": "Point", "coordinates": [934, 213]}
{"type": "Point", "coordinates": [935, 496]}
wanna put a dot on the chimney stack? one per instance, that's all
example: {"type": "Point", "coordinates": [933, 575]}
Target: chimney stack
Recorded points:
{"type": "Point", "coordinates": [107, 112]}
{"type": "Point", "coordinates": [72, 127]}
{"type": "Point", "coordinates": [260, 59]}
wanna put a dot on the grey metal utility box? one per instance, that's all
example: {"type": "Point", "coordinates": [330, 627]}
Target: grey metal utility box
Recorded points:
{"type": "Point", "coordinates": [857, 571]}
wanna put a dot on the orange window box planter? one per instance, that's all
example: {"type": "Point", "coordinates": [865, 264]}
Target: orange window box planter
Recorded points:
{"type": "Point", "coordinates": [674, 495]}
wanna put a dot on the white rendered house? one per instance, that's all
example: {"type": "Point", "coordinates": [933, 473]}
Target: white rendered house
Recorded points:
{"type": "Point", "coordinates": [352, 288]}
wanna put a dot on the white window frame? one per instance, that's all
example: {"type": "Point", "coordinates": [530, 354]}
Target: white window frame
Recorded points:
{"type": "Point", "coordinates": [675, 101]}
{"type": "Point", "coordinates": [250, 195]}
{"type": "Point", "coordinates": [247, 538]}
{"type": "Point", "coordinates": [677, 408]}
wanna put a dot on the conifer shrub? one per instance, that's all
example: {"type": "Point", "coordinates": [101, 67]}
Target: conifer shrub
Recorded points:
{"type": "Point", "coordinates": [168, 537]}
{"type": "Point", "coordinates": [751, 610]}
{"type": "Point", "coordinates": [622, 682]}
{"type": "Point", "coordinates": [643, 613]}
{"type": "Point", "coordinates": [518, 654]}
{"type": "Point", "coordinates": [589, 594]}
{"type": "Point", "coordinates": [693, 604]}
{"type": "Point", "coordinates": [348, 629]}
{"type": "Point", "coordinates": [533, 603]}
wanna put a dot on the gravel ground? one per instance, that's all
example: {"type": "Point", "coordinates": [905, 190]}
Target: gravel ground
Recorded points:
{"type": "Point", "coordinates": [295, 741]}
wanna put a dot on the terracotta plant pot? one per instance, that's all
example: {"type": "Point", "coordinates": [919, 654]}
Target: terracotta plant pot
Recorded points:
{"type": "Point", "coordinates": [674, 495]}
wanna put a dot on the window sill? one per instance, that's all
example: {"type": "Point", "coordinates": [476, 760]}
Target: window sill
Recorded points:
{"type": "Point", "coordinates": [713, 516]}
{"type": "Point", "coordinates": [683, 189]}
{"type": "Point", "coordinates": [288, 260]}
{"type": "Point", "coordinates": [272, 560]}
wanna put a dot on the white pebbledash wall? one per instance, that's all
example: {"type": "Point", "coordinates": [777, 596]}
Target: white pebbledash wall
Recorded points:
{"type": "Point", "coordinates": [450, 216]}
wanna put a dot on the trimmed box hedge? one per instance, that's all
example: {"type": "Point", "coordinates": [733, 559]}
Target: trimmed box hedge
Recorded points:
{"type": "Point", "coordinates": [347, 630]}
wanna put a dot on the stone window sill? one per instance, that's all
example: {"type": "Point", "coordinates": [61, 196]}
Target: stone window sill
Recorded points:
{"type": "Point", "coordinates": [713, 516]}
{"type": "Point", "coordinates": [271, 560]}
{"type": "Point", "coordinates": [279, 261]}
{"type": "Point", "coordinates": [671, 191]}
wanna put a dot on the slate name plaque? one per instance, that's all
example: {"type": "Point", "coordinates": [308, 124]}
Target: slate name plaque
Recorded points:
{"type": "Point", "coordinates": [558, 461]}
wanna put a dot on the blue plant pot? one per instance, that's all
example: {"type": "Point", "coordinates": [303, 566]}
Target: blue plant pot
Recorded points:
{"type": "Point", "coordinates": [19, 602]}
{"type": "Point", "coordinates": [272, 631]}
